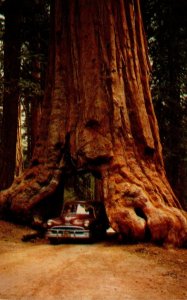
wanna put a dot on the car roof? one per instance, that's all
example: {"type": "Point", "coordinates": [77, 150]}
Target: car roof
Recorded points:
{"type": "Point", "coordinates": [90, 202]}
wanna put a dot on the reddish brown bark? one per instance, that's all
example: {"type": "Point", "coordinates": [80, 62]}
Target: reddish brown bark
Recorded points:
{"type": "Point", "coordinates": [98, 115]}
{"type": "Point", "coordinates": [19, 150]}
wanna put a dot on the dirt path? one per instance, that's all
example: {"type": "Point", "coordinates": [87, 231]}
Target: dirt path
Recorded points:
{"type": "Point", "coordinates": [102, 271]}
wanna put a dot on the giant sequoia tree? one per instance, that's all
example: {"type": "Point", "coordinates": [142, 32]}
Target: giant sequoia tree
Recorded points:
{"type": "Point", "coordinates": [98, 116]}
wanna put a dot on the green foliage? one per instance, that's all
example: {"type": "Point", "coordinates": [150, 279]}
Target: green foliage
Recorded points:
{"type": "Point", "coordinates": [80, 186]}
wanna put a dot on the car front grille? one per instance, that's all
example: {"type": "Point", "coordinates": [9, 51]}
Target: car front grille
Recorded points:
{"type": "Point", "coordinates": [68, 232]}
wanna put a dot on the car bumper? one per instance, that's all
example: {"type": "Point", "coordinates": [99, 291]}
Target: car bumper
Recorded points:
{"type": "Point", "coordinates": [68, 233]}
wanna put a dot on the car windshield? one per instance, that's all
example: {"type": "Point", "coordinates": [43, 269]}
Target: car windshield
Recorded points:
{"type": "Point", "coordinates": [78, 208]}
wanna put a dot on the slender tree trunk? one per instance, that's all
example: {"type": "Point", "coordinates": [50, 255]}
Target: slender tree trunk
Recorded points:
{"type": "Point", "coordinates": [35, 120]}
{"type": "Point", "coordinates": [98, 116]}
{"type": "Point", "coordinates": [11, 92]}
{"type": "Point", "coordinates": [19, 150]}
{"type": "Point", "coordinates": [36, 100]}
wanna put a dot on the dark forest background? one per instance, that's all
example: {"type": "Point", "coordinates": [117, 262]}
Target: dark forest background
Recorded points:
{"type": "Point", "coordinates": [24, 43]}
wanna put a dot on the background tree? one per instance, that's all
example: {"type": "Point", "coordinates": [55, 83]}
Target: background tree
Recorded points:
{"type": "Point", "coordinates": [97, 115]}
{"type": "Point", "coordinates": [35, 36]}
{"type": "Point", "coordinates": [12, 47]}
{"type": "Point", "coordinates": [31, 61]}
{"type": "Point", "coordinates": [166, 28]}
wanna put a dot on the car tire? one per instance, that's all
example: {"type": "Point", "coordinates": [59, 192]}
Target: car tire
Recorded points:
{"type": "Point", "coordinates": [54, 241]}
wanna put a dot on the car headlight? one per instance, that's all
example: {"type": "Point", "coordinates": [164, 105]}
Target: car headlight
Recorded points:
{"type": "Point", "coordinates": [86, 223]}
{"type": "Point", "coordinates": [49, 223]}
{"type": "Point", "coordinates": [77, 222]}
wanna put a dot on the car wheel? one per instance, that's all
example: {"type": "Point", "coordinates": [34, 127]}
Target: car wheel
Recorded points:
{"type": "Point", "coordinates": [54, 241]}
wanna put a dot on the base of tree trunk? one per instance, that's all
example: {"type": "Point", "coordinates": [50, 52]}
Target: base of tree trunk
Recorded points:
{"type": "Point", "coordinates": [139, 207]}
{"type": "Point", "coordinates": [33, 196]}
{"type": "Point", "coordinates": [144, 208]}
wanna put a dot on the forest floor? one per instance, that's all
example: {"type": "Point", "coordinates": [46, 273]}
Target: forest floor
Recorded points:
{"type": "Point", "coordinates": [107, 270]}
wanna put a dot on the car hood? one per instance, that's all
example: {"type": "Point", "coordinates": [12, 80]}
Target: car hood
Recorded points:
{"type": "Point", "coordinates": [69, 219]}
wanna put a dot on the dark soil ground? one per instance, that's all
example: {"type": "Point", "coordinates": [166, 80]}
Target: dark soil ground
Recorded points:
{"type": "Point", "coordinates": [107, 270]}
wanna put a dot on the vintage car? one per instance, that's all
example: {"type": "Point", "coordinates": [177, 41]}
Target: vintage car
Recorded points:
{"type": "Point", "coordinates": [84, 220]}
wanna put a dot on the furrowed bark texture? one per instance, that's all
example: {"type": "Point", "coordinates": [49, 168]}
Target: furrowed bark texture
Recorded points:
{"type": "Point", "coordinates": [98, 113]}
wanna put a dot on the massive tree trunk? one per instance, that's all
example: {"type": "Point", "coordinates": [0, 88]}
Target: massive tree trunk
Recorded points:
{"type": "Point", "coordinates": [98, 116]}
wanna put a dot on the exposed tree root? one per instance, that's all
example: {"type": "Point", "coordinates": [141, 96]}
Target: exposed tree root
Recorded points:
{"type": "Point", "coordinates": [23, 199]}
{"type": "Point", "coordinates": [140, 211]}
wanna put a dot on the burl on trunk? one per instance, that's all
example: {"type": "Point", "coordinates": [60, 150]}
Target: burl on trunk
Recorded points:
{"type": "Point", "coordinates": [98, 115]}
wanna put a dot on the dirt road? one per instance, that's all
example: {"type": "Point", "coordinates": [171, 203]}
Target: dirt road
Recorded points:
{"type": "Point", "coordinates": [102, 271]}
